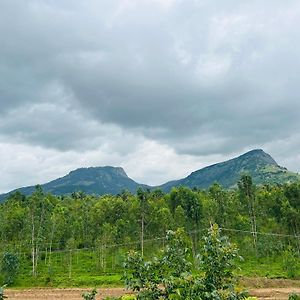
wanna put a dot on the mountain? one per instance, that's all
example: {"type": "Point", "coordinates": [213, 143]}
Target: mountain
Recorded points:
{"type": "Point", "coordinates": [260, 165]}
{"type": "Point", "coordinates": [94, 180]}
{"type": "Point", "coordinates": [111, 180]}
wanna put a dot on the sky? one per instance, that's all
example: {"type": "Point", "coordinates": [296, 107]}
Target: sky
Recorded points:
{"type": "Point", "coordinates": [158, 87]}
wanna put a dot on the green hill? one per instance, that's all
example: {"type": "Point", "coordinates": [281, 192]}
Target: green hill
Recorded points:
{"type": "Point", "coordinates": [260, 165]}
{"type": "Point", "coordinates": [94, 180]}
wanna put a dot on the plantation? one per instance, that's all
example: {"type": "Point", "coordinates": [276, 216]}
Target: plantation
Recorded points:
{"type": "Point", "coordinates": [83, 240]}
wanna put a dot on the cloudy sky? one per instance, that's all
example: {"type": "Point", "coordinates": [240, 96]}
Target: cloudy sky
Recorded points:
{"type": "Point", "coordinates": [159, 87]}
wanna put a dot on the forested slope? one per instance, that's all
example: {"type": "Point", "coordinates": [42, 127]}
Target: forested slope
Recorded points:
{"type": "Point", "coordinates": [260, 165]}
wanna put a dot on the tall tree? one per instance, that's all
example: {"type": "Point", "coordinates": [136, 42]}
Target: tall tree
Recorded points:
{"type": "Point", "coordinates": [247, 194]}
{"type": "Point", "coordinates": [143, 199]}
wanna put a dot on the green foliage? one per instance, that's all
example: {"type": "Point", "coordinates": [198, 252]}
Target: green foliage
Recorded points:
{"type": "Point", "coordinates": [294, 296]}
{"type": "Point", "coordinates": [147, 277]}
{"type": "Point", "coordinates": [2, 296]}
{"type": "Point", "coordinates": [128, 297]}
{"type": "Point", "coordinates": [170, 276]}
{"type": "Point", "coordinates": [81, 240]}
{"type": "Point", "coordinates": [9, 267]}
{"type": "Point", "coordinates": [218, 260]}
{"type": "Point", "coordinates": [90, 295]}
{"type": "Point", "coordinates": [290, 262]}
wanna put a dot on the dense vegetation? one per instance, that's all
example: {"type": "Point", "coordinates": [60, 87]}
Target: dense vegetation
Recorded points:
{"type": "Point", "coordinates": [173, 275]}
{"type": "Point", "coordinates": [82, 239]}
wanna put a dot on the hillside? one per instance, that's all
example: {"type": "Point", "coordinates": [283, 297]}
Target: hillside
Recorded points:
{"type": "Point", "coordinates": [94, 180]}
{"type": "Point", "coordinates": [113, 180]}
{"type": "Point", "coordinates": [260, 165]}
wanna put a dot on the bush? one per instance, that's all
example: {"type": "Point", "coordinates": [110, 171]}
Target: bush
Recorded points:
{"type": "Point", "coordinates": [294, 296]}
{"type": "Point", "coordinates": [9, 267]}
{"type": "Point", "coordinates": [218, 261]}
{"type": "Point", "coordinates": [171, 275]}
{"type": "Point", "coordinates": [2, 296]}
{"type": "Point", "coordinates": [90, 295]}
{"type": "Point", "coordinates": [290, 263]}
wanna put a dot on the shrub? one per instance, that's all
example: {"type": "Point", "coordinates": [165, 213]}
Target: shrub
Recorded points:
{"type": "Point", "coordinates": [294, 296]}
{"type": "Point", "coordinates": [218, 261]}
{"type": "Point", "coordinates": [9, 267]}
{"type": "Point", "coordinates": [2, 296]}
{"type": "Point", "coordinates": [171, 276]}
{"type": "Point", "coordinates": [290, 263]}
{"type": "Point", "coordinates": [90, 295]}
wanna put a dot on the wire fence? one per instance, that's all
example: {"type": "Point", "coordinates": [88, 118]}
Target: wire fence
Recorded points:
{"type": "Point", "coordinates": [107, 258]}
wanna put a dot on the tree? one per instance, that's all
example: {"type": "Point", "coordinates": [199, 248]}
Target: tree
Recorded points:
{"type": "Point", "coordinates": [218, 195]}
{"type": "Point", "coordinates": [37, 212]}
{"type": "Point", "coordinates": [192, 206]}
{"type": "Point", "coordinates": [247, 194]}
{"type": "Point", "coordinates": [143, 199]}
{"type": "Point", "coordinates": [218, 261]}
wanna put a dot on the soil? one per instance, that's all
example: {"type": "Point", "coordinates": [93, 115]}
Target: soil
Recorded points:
{"type": "Point", "coordinates": [273, 293]}
{"type": "Point", "coordinates": [63, 294]}
{"type": "Point", "coordinates": [261, 288]}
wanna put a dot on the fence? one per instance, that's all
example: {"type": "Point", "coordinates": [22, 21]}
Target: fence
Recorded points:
{"type": "Point", "coordinates": [107, 259]}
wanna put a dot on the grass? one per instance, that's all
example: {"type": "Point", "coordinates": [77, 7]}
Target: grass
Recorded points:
{"type": "Point", "coordinates": [269, 267]}
{"type": "Point", "coordinates": [88, 269]}
{"type": "Point", "coordinates": [78, 269]}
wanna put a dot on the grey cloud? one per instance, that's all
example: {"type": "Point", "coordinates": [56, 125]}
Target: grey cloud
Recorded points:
{"type": "Point", "coordinates": [59, 127]}
{"type": "Point", "coordinates": [201, 76]}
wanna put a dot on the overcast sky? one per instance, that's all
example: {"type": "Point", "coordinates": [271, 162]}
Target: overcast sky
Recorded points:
{"type": "Point", "coordinates": [159, 87]}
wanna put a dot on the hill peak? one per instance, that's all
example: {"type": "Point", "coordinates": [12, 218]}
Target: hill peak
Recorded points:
{"type": "Point", "coordinates": [91, 180]}
{"type": "Point", "coordinates": [257, 163]}
{"type": "Point", "coordinates": [94, 171]}
{"type": "Point", "coordinates": [258, 156]}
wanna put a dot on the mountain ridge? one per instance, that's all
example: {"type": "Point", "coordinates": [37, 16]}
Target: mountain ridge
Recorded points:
{"type": "Point", "coordinates": [113, 180]}
{"type": "Point", "coordinates": [91, 180]}
{"type": "Point", "coordinates": [227, 173]}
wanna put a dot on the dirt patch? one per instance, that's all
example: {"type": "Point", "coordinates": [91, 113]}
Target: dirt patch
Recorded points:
{"type": "Point", "coordinates": [262, 288]}
{"type": "Point", "coordinates": [62, 294]}
{"type": "Point", "coordinates": [273, 293]}
{"type": "Point", "coordinates": [261, 282]}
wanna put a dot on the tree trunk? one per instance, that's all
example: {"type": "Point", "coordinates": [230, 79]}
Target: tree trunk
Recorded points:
{"type": "Point", "coordinates": [142, 234]}
{"type": "Point", "coordinates": [33, 246]}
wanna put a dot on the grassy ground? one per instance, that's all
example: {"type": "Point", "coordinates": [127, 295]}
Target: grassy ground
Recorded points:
{"type": "Point", "coordinates": [88, 269]}
{"type": "Point", "coordinates": [270, 267]}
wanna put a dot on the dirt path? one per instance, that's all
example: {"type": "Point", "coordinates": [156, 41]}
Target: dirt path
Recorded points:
{"type": "Point", "coordinates": [273, 293]}
{"type": "Point", "coordinates": [75, 294]}
{"type": "Point", "coordinates": [62, 294]}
